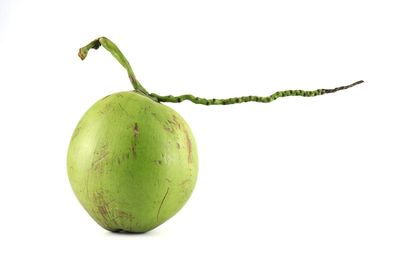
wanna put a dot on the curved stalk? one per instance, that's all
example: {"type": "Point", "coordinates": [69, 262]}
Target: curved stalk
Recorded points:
{"type": "Point", "coordinates": [114, 50]}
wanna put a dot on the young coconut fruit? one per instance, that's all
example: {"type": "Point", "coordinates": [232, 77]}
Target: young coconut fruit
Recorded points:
{"type": "Point", "coordinates": [132, 161]}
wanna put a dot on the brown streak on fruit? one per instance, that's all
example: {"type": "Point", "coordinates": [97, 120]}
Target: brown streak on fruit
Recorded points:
{"type": "Point", "coordinates": [184, 182]}
{"type": "Point", "coordinates": [168, 129]}
{"type": "Point", "coordinates": [103, 211]}
{"type": "Point", "coordinates": [162, 202]}
{"type": "Point", "coordinates": [188, 145]}
{"type": "Point", "coordinates": [123, 214]}
{"type": "Point", "coordinates": [101, 157]}
{"type": "Point", "coordinates": [135, 138]}
{"type": "Point", "coordinates": [176, 121]}
{"type": "Point", "coordinates": [102, 205]}
{"type": "Point", "coordinates": [136, 130]}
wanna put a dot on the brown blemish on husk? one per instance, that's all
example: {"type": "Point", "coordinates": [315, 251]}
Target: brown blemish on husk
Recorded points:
{"type": "Point", "coordinates": [103, 211]}
{"type": "Point", "coordinates": [184, 182]}
{"type": "Point", "coordinates": [159, 162]}
{"type": "Point", "coordinates": [188, 145]}
{"type": "Point", "coordinates": [123, 214]}
{"type": "Point", "coordinates": [172, 125]}
{"type": "Point", "coordinates": [135, 138]}
{"type": "Point", "coordinates": [176, 121]}
{"type": "Point", "coordinates": [169, 129]}
{"type": "Point", "coordinates": [103, 207]}
{"type": "Point", "coordinates": [136, 130]}
{"type": "Point", "coordinates": [99, 156]}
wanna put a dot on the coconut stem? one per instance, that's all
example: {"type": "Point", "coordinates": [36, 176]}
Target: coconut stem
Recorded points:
{"type": "Point", "coordinates": [114, 50]}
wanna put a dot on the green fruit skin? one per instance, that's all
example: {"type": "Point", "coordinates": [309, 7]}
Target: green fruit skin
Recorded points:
{"type": "Point", "coordinates": [132, 162]}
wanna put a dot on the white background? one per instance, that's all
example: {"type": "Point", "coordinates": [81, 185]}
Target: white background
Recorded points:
{"type": "Point", "coordinates": [297, 182]}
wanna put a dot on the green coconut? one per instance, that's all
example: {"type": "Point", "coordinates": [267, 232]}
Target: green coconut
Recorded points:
{"type": "Point", "coordinates": [132, 161]}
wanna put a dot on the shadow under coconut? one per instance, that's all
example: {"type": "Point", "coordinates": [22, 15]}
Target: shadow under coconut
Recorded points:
{"type": "Point", "coordinates": [153, 232]}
